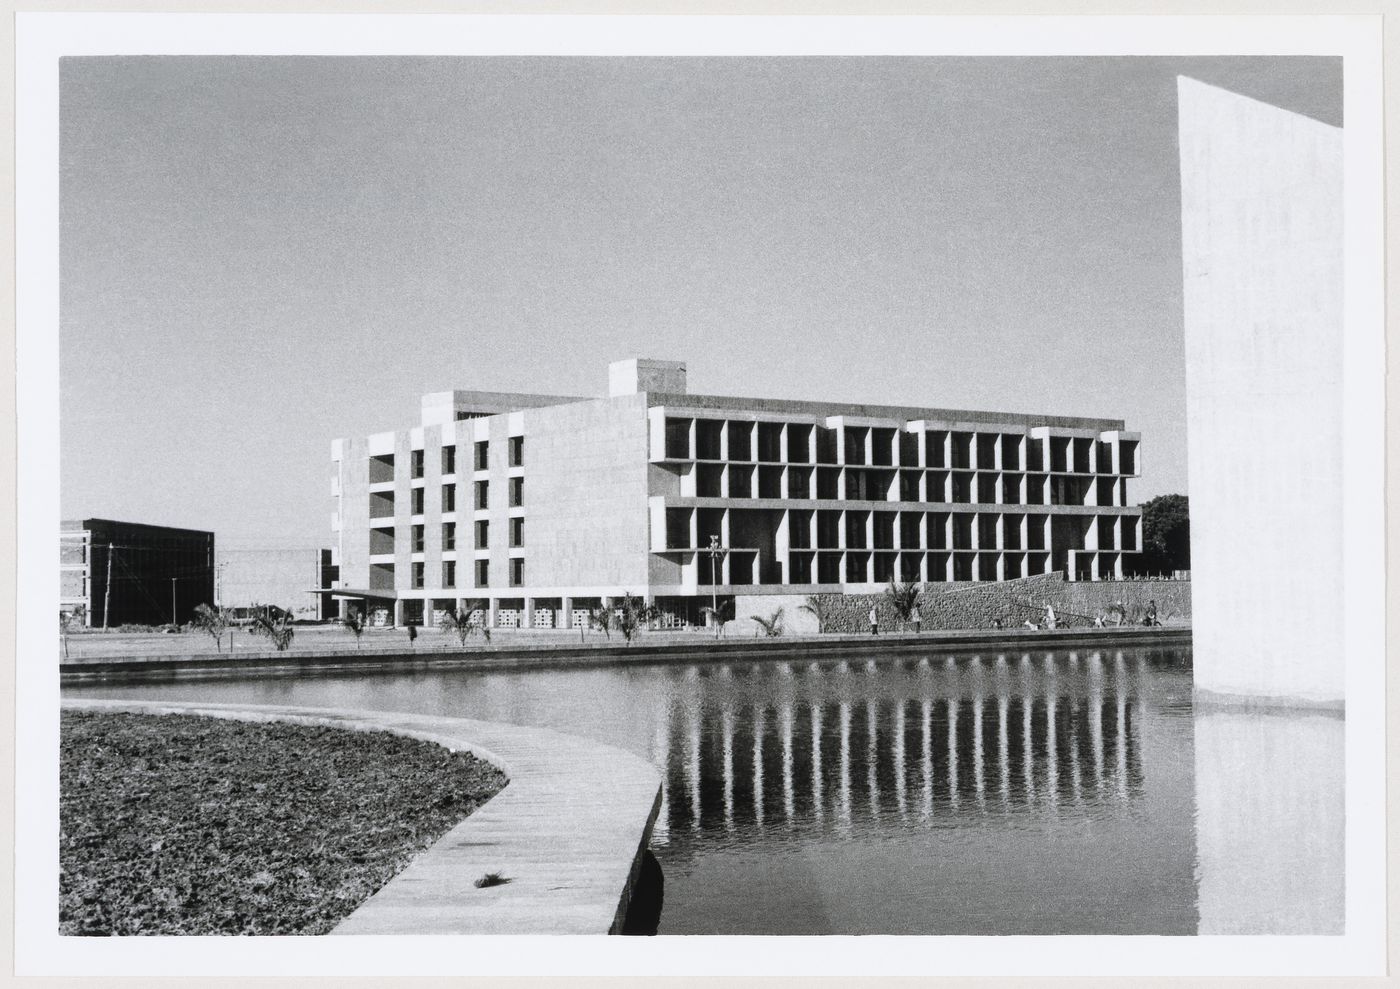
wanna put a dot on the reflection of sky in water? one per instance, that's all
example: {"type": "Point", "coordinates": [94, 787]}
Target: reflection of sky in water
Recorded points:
{"type": "Point", "coordinates": [1006, 793]}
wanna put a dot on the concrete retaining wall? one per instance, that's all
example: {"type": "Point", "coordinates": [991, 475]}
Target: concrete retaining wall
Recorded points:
{"type": "Point", "coordinates": [568, 830]}
{"type": "Point", "coordinates": [672, 647]}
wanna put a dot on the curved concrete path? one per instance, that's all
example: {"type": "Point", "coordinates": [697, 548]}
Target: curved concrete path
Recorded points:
{"type": "Point", "coordinates": [568, 830]}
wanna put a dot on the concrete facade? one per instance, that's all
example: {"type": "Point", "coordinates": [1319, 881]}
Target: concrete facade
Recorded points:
{"type": "Point", "coordinates": [287, 578]}
{"type": "Point", "coordinates": [539, 509]}
{"type": "Point", "coordinates": [1263, 266]}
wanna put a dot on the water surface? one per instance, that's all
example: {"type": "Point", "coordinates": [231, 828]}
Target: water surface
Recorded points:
{"type": "Point", "coordinates": [1046, 792]}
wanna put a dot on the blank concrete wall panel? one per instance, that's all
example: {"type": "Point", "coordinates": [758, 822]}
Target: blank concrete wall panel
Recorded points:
{"type": "Point", "coordinates": [586, 494]}
{"type": "Point", "coordinates": [1262, 255]}
{"type": "Point", "coordinates": [354, 511]}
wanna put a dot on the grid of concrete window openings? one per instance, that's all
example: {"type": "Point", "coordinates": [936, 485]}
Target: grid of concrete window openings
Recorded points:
{"type": "Point", "coordinates": [677, 498]}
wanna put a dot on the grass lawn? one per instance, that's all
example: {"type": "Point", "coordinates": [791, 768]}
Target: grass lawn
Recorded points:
{"type": "Point", "coordinates": [180, 824]}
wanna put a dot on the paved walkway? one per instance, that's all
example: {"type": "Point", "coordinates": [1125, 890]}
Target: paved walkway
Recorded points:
{"type": "Point", "coordinates": [567, 831]}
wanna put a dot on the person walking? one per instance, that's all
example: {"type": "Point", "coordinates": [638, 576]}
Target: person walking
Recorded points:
{"type": "Point", "coordinates": [874, 621]}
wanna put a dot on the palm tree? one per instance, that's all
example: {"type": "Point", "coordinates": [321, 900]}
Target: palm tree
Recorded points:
{"type": "Point", "coordinates": [76, 618]}
{"type": "Point", "coordinates": [633, 615]}
{"type": "Point", "coordinates": [602, 618]}
{"type": "Point", "coordinates": [772, 625]}
{"type": "Point", "coordinates": [904, 599]}
{"type": "Point", "coordinates": [816, 605]}
{"type": "Point", "coordinates": [275, 624]}
{"type": "Point", "coordinates": [211, 620]}
{"type": "Point", "coordinates": [720, 612]}
{"type": "Point", "coordinates": [355, 622]}
{"type": "Point", "coordinates": [463, 621]}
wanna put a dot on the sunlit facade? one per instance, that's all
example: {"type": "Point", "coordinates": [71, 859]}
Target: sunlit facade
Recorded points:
{"type": "Point", "coordinates": [539, 508]}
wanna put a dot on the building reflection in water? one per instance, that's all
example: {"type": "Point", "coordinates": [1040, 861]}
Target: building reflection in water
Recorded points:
{"type": "Point", "coordinates": [1008, 792]}
{"type": "Point", "coordinates": [985, 737]}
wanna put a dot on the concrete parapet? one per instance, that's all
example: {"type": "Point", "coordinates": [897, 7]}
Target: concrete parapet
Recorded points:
{"type": "Point", "coordinates": [568, 831]}
{"type": "Point", "coordinates": [676, 647]}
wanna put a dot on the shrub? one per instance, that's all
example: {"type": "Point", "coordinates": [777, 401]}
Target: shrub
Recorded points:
{"type": "Point", "coordinates": [772, 625]}
{"type": "Point", "coordinates": [819, 608]}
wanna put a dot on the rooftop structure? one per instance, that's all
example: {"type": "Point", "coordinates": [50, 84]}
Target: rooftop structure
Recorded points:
{"type": "Point", "coordinates": [542, 507]}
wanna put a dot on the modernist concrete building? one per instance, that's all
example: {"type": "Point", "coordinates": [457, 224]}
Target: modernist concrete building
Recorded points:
{"type": "Point", "coordinates": [250, 575]}
{"type": "Point", "coordinates": [128, 573]}
{"type": "Point", "coordinates": [542, 507]}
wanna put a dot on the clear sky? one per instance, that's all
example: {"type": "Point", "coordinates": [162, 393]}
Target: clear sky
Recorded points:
{"type": "Point", "coordinates": [262, 254]}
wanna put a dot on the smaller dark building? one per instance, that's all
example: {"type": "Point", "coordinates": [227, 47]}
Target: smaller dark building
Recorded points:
{"type": "Point", "coordinates": [127, 573]}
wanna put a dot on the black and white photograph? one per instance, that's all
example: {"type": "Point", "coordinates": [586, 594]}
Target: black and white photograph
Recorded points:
{"type": "Point", "coordinates": [725, 483]}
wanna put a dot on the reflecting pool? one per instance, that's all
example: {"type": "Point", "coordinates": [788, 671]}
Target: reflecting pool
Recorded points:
{"type": "Point", "coordinates": [1048, 792]}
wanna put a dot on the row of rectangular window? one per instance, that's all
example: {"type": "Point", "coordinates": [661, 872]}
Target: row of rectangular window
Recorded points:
{"type": "Point", "coordinates": [483, 535]}
{"type": "Point", "coordinates": [866, 484]}
{"type": "Point", "coordinates": [736, 440]}
{"type": "Point", "coordinates": [382, 502]}
{"type": "Point", "coordinates": [482, 451]}
{"type": "Point", "coordinates": [483, 573]}
{"type": "Point", "coordinates": [831, 530]}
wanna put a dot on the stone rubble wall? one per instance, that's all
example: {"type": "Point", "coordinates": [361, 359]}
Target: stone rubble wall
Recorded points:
{"type": "Point", "coordinates": [1013, 602]}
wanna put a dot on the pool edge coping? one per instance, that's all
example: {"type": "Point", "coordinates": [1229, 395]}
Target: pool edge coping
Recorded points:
{"type": "Point", "coordinates": [558, 655]}
{"type": "Point", "coordinates": [570, 872]}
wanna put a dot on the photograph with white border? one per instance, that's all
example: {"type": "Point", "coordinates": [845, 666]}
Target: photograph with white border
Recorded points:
{"type": "Point", "coordinates": [718, 478]}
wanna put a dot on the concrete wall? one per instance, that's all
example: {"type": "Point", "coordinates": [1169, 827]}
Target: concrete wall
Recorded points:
{"type": "Point", "coordinates": [354, 511]}
{"type": "Point", "coordinates": [586, 495]}
{"type": "Point", "coordinates": [281, 577]}
{"type": "Point", "coordinates": [1270, 821]}
{"type": "Point", "coordinates": [1262, 253]}
{"type": "Point", "coordinates": [975, 605]}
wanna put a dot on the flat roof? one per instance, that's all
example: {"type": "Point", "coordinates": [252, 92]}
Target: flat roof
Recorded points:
{"type": "Point", "coordinates": [71, 525]}
{"type": "Point", "coordinates": [899, 412]}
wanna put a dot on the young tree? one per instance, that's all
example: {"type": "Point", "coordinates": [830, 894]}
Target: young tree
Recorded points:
{"type": "Point", "coordinates": [355, 623]}
{"type": "Point", "coordinates": [603, 619]}
{"type": "Point", "coordinates": [904, 599]}
{"type": "Point", "coordinates": [719, 614]}
{"type": "Point", "coordinates": [1166, 534]}
{"type": "Point", "coordinates": [634, 614]}
{"type": "Point", "coordinates": [816, 605]}
{"type": "Point", "coordinates": [77, 618]}
{"type": "Point", "coordinates": [275, 624]}
{"type": "Point", "coordinates": [214, 621]}
{"type": "Point", "coordinates": [772, 625]}
{"type": "Point", "coordinates": [463, 622]}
